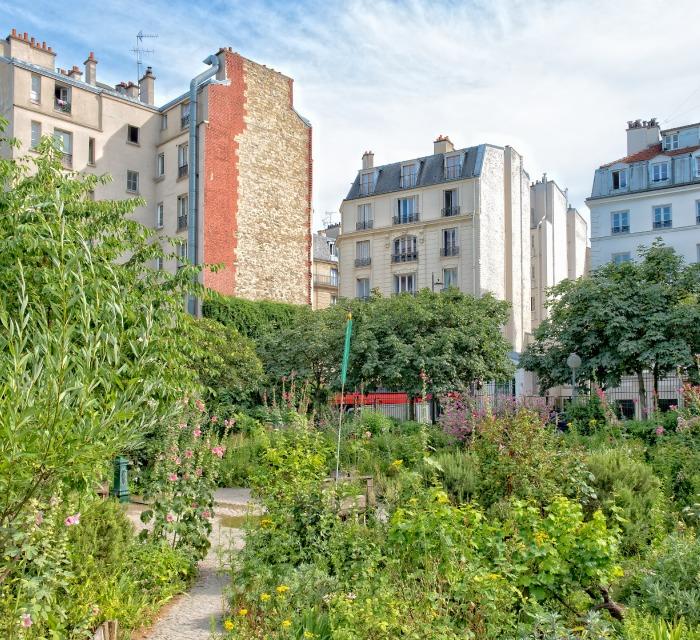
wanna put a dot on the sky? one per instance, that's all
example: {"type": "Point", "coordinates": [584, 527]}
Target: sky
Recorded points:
{"type": "Point", "coordinates": [555, 79]}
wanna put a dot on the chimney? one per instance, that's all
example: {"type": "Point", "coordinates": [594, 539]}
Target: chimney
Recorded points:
{"type": "Point", "coordinates": [147, 86]}
{"type": "Point", "coordinates": [75, 73]}
{"type": "Point", "coordinates": [368, 160]}
{"type": "Point", "coordinates": [91, 69]}
{"type": "Point", "coordinates": [443, 145]}
{"type": "Point", "coordinates": [642, 134]}
{"type": "Point", "coordinates": [132, 90]}
{"type": "Point", "coordinates": [121, 88]}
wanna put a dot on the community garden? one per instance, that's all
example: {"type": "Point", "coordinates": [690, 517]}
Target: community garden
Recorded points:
{"type": "Point", "coordinates": [490, 523]}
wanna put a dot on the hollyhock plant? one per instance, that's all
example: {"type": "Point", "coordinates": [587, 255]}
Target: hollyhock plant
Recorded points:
{"type": "Point", "coordinates": [25, 620]}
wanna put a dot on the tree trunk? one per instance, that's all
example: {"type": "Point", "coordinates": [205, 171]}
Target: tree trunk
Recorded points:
{"type": "Point", "coordinates": [411, 407]}
{"type": "Point", "coordinates": [642, 393]}
{"type": "Point", "coordinates": [656, 387]}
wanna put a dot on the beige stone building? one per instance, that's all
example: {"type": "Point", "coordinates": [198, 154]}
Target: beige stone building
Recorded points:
{"type": "Point", "coordinates": [457, 217]}
{"type": "Point", "coordinates": [325, 267]}
{"type": "Point", "coordinates": [240, 196]}
{"type": "Point", "coordinates": [558, 243]}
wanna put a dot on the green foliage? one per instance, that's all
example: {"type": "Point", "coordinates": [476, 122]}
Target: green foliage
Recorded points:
{"type": "Point", "coordinates": [641, 627]}
{"type": "Point", "coordinates": [252, 319]}
{"type": "Point", "coordinates": [586, 415]}
{"type": "Point", "coordinates": [459, 473]}
{"type": "Point", "coordinates": [241, 459]}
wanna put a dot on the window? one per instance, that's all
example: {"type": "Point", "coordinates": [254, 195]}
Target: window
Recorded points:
{"type": "Point", "coordinates": [364, 216]}
{"type": "Point", "coordinates": [405, 249]}
{"type": "Point", "coordinates": [620, 221]}
{"type": "Point", "coordinates": [619, 258]}
{"type": "Point", "coordinates": [160, 165]}
{"type": "Point", "coordinates": [362, 288]}
{"type": "Point", "coordinates": [182, 210]}
{"type": "Point", "coordinates": [453, 167]}
{"type": "Point", "coordinates": [181, 255]}
{"type": "Point", "coordinates": [35, 93]}
{"type": "Point", "coordinates": [697, 212]}
{"type": "Point", "coordinates": [409, 175]}
{"type": "Point", "coordinates": [334, 277]}
{"type": "Point", "coordinates": [532, 304]}
{"type": "Point", "coordinates": [182, 159]}
{"type": "Point", "coordinates": [185, 115]}
{"type": "Point", "coordinates": [449, 242]}
{"type": "Point", "coordinates": [697, 167]}
{"type": "Point", "coordinates": [332, 249]}
{"type": "Point", "coordinates": [132, 181]}
{"type": "Point", "coordinates": [132, 134]}
{"type": "Point", "coordinates": [65, 144]}
{"type": "Point", "coordinates": [451, 203]}
{"type": "Point", "coordinates": [671, 142]}
{"type": "Point", "coordinates": [160, 210]}
{"type": "Point", "coordinates": [91, 151]}
{"type": "Point", "coordinates": [449, 277]}
{"type": "Point", "coordinates": [62, 98]}
{"type": "Point", "coordinates": [334, 300]}
{"type": "Point", "coordinates": [362, 255]}
{"type": "Point", "coordinates": [159, 263]}
{"type": "Point", "coordinates": [36, 134]}
{"type": "Point", "coordinates": [407, 210]}
{"type": "Point", "coordinates": [619, 179]}
{"type": "Point", "coordinates": [662, 217]}
{"type": "Point", "coordinates": [163, 121]}
{"type": "Point", "coordinates": [659, 171]}
{"type": "Point", "coordinates": [366, 183]}
{"type": "Point", "coordinates": [405, 283]}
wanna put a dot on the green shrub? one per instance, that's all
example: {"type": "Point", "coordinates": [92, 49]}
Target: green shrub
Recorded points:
{"type": "Point", "coordinates": [241, 459]}
{"type": "Point", "coordinates": [676, 460]}
{"type": "Point", "coordinates": [643, 627]}
{"type": "Point", "coordinates": [459, 474]}
{"type": "Point", "coordinates": [586, 415]}
{"type": "Point", "coordinates": [627, 488]}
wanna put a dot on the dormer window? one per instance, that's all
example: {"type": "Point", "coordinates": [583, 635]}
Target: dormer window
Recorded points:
{"type": "Point", "coordinates": [659, 171]}
{"type": "Point", "coordinates": [619, 179]}
{"type": "Point", "coordinates": [670, 142]}
{"type": "Point", "coordinates": [366, 183]}
{"type": "Point", "coordinates": [409, 175]}
{"type": "Point", "coordinates": [453, 167]}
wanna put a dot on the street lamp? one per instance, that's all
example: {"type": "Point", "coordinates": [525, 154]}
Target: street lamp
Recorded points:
{"type": "Point", "coordinates": [573, 362]}
{"type": "Point", "coordinates": [434, 282]}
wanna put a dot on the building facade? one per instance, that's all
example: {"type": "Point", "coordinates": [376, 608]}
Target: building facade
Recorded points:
{"type": "Point", "coordinates": [456, 218]}
{"type": "Point", "coordinates": [325, 267]}
{"type": "Point", "coordinates": [252, 161]}
{"type": "Point", "coordinates": [558, 243]}
{"type": "Point", "coordinates": [654, 191]}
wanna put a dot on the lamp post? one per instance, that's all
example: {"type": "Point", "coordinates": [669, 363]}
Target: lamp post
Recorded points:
{"type": "Point", "coordinates": [573, 362]}
{"type": "Point", "coordinates": [434, 282]}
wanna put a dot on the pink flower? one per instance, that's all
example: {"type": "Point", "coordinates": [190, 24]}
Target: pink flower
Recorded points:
{"type": "Point", "coordinates": [198, 472]}
{"type": "Point", "coordinates": [172, 477]}
{"type": "Point", "coordinates": [188, 453]}
{"type": "Point", "coordinates": [182, 425]}
{"type": "Point", "coordinates": [39, 518]}
{"type": "Point", "coordinates": [206, 513]}
{"type": "Point", "coordinates": [214, 419]}
{"type": "Point", "coordinates": [25, 620]}
{"type": "Point", "coordinates": [660, 430]}
{"type": "Point", "coordinates": [169, 517]}
{"type": "Point", "coordinates": [219, 451]}
{"type": "Point", "coordinates": [194, 505]}
{"type": "Point", "coordinates": [196, 433]}
{"type": "Point", "coordinates": [200, 405]}
{"type": "Point", "coordinates": [176, 459]}
{"type": "Point", "coordinates": [72, 520]}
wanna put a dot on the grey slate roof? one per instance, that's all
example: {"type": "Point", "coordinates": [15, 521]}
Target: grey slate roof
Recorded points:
{"type": "Point", "coordinates": [321, 249]}
{"type": "Point", "coordinates": [431, 170]}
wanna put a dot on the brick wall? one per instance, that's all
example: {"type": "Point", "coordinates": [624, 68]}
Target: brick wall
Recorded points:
{"type": "Point", "coordinates": [257, 187]}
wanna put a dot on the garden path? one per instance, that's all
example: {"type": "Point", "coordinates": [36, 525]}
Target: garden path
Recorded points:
{"type": "Point", "coordinates": [193, 615]}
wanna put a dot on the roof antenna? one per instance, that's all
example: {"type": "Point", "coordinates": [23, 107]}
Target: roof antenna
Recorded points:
{"type": "Point", "coordinates": [140, 51]}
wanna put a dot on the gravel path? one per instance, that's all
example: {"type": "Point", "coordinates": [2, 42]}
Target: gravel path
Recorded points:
{"type": "Point", "coordinates": [193, 615]}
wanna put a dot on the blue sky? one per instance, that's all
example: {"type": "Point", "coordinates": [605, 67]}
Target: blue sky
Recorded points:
{"type": "Point", "coordinates": [557, 80]}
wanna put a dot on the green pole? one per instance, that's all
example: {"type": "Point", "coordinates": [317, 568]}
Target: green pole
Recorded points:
{"type": "Point", "coordinates": [343, 378]}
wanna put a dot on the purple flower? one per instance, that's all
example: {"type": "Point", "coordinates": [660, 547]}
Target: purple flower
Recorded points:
{"type": "Point", "coordinates": [25, 620]}
{"type": "Point", "coordinates": [660, 430]}
{"type": "Point", "coordinates": [72, 520]}
{"type": "Point", "coordinates": [172, 477]}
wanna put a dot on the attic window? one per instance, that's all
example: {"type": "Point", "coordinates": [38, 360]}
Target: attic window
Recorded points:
{"type": "Point", "coordinates": [453, 167]}
{"type": "Point", "coordinates": [409, 175]}
{"type": "Point", "coordinates": [619, 179]}
{"type": "Point", "coordinates": [671, 142]}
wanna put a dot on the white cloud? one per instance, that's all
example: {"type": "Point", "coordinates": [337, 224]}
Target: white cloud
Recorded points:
{"type": "Point", "coordinates": [555, 79]}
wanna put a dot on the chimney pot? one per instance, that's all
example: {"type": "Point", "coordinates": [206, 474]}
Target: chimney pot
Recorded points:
{"type": "Point", "coordinates": [443, 144]}
{"type": "Point", "coordinates": [26, 36]}
{"type": "Point", "coordinates": [14, 32]}
{"type": "Point", "coordinates": [368, 160]}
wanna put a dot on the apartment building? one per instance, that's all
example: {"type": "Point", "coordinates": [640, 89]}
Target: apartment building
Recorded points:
{"type": "Point", "coordinates": [558, 243]}
{"type": "Point", "coordinates": [325, 267]}
{"type": "Point", "coordinates": [654, 191]}
{"type": "Point", "coordinates": [455, 218]}
{"type": "Point", "coordinates": [240, 196]}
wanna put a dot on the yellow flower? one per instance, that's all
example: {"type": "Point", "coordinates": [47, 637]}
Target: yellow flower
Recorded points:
{"type": "Point", "coordinates": [282, 588]}
{"type": "Point", "coordinates": [264, 597]}
{"type": "Point", "coordinates": [243, 612]}
{"type": "Point", "coordinates": [265, 522]}
{"type": "Point", "coordinates": [308, 634]}
{"type": "Point", "coordinates": [397, 463]}
{"type": "Point", "coordinates": [442, 498]}
{"type": "Point", "coordinates": [228, 625]}
{"type": "Point", "coordinates": [286, 624]}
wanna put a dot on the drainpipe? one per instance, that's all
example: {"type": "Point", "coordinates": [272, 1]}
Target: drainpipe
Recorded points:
{"type": "Point", "coordinates": [193, 153]}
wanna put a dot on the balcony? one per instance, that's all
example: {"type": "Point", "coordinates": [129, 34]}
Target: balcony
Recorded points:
{"type": "Point", "coordinates": [406, 256]}
{"type": "Point", "coordinates": [446, 252]}
{"type": "Point", "coordinates": [406, 219]}
{"type": "Point", "coordinates": [663, 224]}
{"type": "Point", "coordinates": [363, 262]}
{"type": "Point", "coordinates": [185, 121]}
{"type": "Point", "coordinates": [182, 171]}
{"type": "Point", "coordinates": [623, 229]}
{"type": "Point", "coordinates": [409, 180]}
{"type": "Point", "coordinates": [62, 105]}
{"type": "Point", "coordinates": [326, 281]}
{"type": "Point", "coordinates": [450, 211]}
{"type": "Point", "coordinates": [364, 224]}
{"type": "Point", "coordinates": [182, 222]}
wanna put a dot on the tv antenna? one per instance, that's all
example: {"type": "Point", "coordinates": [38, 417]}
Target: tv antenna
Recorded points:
{"type": "Point", "coordinates": [140, 51]}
